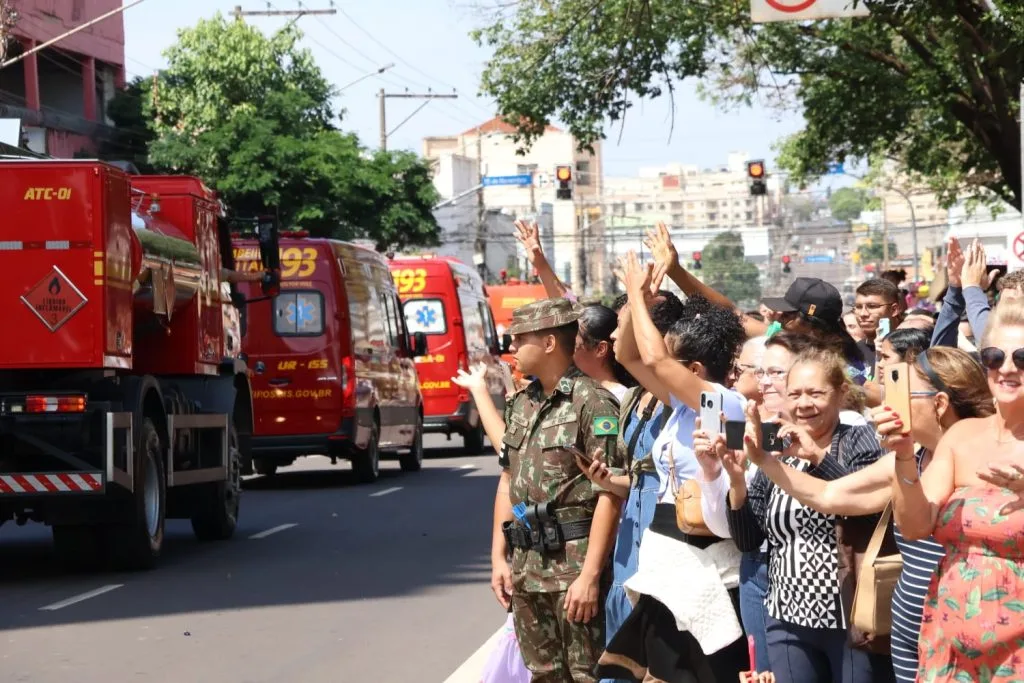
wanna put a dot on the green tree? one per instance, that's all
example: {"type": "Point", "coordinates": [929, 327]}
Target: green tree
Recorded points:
{"type": "Point", "coordinates": [930, 84]}
{"type": "Point", "coordinates": [873, 251]}
{"type": "Point", "coordinates": [725, 269]}
{"type": "Point", "coordinates": [251, 115]}
{"type": "Point", "coordinates": [847, 203]}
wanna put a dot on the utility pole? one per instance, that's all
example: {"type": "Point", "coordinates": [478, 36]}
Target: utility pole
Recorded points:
{"type": "Point", "coordinates": [297, 13]}
{"type": "Point", "coordinates": [428, 97]}
{"type": "Point", "coordinates": [885, 239]}
{"type": "Point", "coordinates": [479, 247]}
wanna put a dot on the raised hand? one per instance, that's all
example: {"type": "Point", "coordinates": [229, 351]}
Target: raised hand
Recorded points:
{"type": "Point", "coordinates": [475, 379]}
{"type": "Point", "coordinates": [954, 262]}
{"type": "Point", "coordinates": [528, 235]}
{"type": "Point", "coordinates": [659, 241]}
{"type": "Point", "coordinates": [889, 425]}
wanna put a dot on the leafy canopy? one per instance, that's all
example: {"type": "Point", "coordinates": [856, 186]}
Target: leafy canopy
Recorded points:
{"type": "Point", "coordinates": [847, 203]}
{"type": "Point", "coordinates": [252, 116]}
{"type": "Point", "coordinates": [725, 269]}
{"type": "Point", "coordinates": [930, 84]}
{"type": "Point", "coordinates": [873, 248]}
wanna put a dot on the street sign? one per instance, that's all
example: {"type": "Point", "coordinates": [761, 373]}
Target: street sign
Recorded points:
{"type": "Point", "coordinates": [819, 258]}
{"type": "Point", "coordinates": [802, 10]}
{"type": "Point", "coordinates": [1016, 253]}
{"type": "Point", "coordinates": [836, 168]}
{"type": "Point", "coordinates": [523, 180]}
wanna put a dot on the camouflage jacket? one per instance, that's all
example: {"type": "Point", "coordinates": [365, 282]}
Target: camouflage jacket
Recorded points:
{"type": "Point", "coordinates": [578, 412]}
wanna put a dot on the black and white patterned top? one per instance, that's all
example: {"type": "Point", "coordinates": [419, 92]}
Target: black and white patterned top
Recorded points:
{"type": "Point", "coordinates": [803, 560]}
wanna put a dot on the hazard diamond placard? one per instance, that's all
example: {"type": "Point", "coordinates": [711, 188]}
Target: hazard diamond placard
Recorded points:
{"type": "Point", "coordinates": [54, 299]}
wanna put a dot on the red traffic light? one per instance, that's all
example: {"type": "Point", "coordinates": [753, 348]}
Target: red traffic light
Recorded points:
{"type": "Point", "coordinates": [785, 259]}
{"type": "Point", "coordinates": [564, 173]}
{"type": "Point", "coordinates": [696, 256]}
{"type": "Point", "coordinates": [755, 169]}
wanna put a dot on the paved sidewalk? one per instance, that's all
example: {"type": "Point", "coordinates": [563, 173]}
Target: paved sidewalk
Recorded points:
{"type": "Point", "coordinates": [470, 670]}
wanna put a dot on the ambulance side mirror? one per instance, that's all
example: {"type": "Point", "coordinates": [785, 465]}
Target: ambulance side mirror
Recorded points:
{"type": "Point", "coordinates": [419, 344]}
{"type": "Point", "coordinates": [270, 254]}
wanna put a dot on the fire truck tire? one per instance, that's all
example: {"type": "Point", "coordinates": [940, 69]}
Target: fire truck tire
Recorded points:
{"type": "Point", "coordinates": [217, 504]}
{"type": "Point", "coordinates": [137, 543]}
{"type": "Point", "coordinates": [473, 440]}
{"type": "Point", "coordinates": [78, 547]}
{"type": "Point", "coordinates": [265, 468]}
{"type": "Point", "coordinates": [412, 460]}
{"type": "Point", "coordinates": [366, 463]}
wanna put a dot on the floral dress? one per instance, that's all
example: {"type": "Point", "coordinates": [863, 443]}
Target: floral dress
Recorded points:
{"type": "Point", "coordinates": [973, 625]}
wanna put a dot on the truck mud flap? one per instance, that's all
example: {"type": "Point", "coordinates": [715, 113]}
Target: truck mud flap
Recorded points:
{"type": "Point", "coordinates": [118, 447]}
{"type": "Point", "coordinates": [209, 427]}
{"type": "Point", "coordinates": [51, 483]}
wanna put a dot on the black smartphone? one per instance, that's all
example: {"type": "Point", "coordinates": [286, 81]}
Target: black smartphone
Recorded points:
{"type": "Point", "coordinates": [734, 430]}
{"type": "Point", "coordinates": [579, 454]}
{"type": "Point", "coordinates": [770, 441]}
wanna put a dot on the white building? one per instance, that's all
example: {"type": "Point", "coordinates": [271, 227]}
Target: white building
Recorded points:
{"type": "Point", "coordinates": [563, 222]}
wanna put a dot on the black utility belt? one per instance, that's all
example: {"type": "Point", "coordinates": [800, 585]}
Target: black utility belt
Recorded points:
{"type": "Point", "coordinates": [547, 536]}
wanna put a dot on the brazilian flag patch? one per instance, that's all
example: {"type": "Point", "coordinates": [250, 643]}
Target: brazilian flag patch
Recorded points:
{"type": "Point", "coordinates": [606, 426]}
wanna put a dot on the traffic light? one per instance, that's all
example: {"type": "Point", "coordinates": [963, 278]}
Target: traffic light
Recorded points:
{"type": "Point", "coordinates": [756, 173]}
{"type": "Point", "coordinates": [564, 176]}
{"type": "Point", "coordinates": [696, 260]}
{"type": "Point", "coordinates": [785, 264]}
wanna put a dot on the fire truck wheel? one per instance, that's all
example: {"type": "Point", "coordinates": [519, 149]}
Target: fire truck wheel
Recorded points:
{"type": "Point", "coordinates": [366, 462]}
{"type": "Point", "coordinates": [265, 468]}
{"type": "Point", "coordinates": [412, 460]}
{"type": "Point", "coordinates": [78, 547]}
{"type": "Point", "coordinates": [217, 504]}
{"type": "Point", "coordinates": [473, 440]}
{"type": "Point", "coordinates": [136, 544]}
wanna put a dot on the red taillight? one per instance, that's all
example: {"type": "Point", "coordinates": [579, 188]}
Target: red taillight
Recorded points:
{"type": "Point", "coordinates": [348, 387]}
{"type": "Point", "coordinates": [55, 404]}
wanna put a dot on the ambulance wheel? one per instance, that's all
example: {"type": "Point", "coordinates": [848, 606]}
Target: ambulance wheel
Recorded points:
{"type": "Point", "coordinates": [366, 463]}
{"type": "Point", "coordinates": [473, 440]}
{"type": "Point", "coordinates": [217, 503]}
{"type": "Point", "coordinates": [264, 467]}
{"type": "Point", "coordinates": [78, 547]}
{"type": "Point", "coordinates": [412, 461]}
{"type": "Point", "coordinates": [136, 544]}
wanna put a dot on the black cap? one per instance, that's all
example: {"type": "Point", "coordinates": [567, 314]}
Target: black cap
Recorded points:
{"type": "Point", "coordinates": [812, 297]}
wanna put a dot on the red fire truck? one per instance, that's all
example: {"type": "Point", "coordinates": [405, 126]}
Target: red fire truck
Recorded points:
{"type": "Point", "coordinates": [121, 404]}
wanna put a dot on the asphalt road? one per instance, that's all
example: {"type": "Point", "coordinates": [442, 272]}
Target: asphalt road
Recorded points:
{"type": "Point", "coordinates": [386, 582]}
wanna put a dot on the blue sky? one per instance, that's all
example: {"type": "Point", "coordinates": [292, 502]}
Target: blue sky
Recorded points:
{"type": "Point", "coordinates": [429, 43]}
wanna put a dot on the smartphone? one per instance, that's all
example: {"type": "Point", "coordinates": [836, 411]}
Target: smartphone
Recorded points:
{"type": "Point", "coordinates": [897, 391]}
{"type": "Point", "coordinates": [711, 413]}
{"type": "Point", "coordinates": [734, 431]}
{"type": "Point", "coordinates": [770, 441]}
{"type": "Point", "coordinates": [884, 328]}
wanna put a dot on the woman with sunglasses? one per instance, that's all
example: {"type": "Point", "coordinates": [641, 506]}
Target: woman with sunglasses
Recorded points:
{"type": "Point", "coordinates": [946, 387]}
{"type": "Point", "coordinates": [971, 629]}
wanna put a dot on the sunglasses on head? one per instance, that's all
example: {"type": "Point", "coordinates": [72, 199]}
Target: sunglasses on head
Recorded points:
{"type": "Point", "coordinates": [993, 358]}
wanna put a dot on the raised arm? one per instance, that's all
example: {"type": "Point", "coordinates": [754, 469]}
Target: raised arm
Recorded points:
{"type": "Point", "coordinates": [529, 236]}
{"type": "Point", "coordinates": [863, 492]}
{"type": "Point", "coordinates": [628, 354]}
{"type": "Point", "coordinates": [917, 498]}
{"type": "Point", "coordinates": [947, 326]}
{"type": "Point", "coordinates": [490, 418]}
{"type": "Point", "coordinates": [670, 376]}
{"type": "Point", "coordinates": [659, 241]}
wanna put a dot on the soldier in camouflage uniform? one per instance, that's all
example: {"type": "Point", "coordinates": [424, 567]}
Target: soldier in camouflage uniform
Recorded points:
{"type": "Point", "coordinates": [556, 595]}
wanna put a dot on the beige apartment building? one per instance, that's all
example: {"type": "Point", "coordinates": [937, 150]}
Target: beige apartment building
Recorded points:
{"type": "Point", "coordinates": [575, 227]}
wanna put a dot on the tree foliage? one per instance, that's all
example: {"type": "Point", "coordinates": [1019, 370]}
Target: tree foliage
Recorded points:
{"type": "Point", "coordinates": [252, 116]}
{"type": "Point", "coordinates": [930, 84]}
{"type": "Point", "coordinates": [847, 203]}
{"type": "Point", "coordinates": [133, 135]}
{"type": "Point", "coordinates": [873, 250]}
{"type": "Point", "coordinates": [725, 269]}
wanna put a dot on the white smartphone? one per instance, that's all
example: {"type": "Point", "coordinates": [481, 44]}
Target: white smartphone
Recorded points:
{"type": "Point", "coordinates": [711, 413]}
{"type": "Point", "coordinates": [884, 326]}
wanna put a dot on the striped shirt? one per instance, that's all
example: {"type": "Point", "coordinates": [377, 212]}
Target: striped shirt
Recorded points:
{"type": "Point", "coordinates": [803, 560]}
{"type": "Point", "coordinates": [920, 558]}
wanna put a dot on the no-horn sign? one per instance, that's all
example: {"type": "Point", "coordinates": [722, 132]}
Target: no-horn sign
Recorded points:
{"type": "Point", "coordinates": [801, 10]}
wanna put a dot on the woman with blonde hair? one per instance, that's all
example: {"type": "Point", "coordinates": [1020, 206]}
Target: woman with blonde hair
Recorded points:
{"type": "Point", "coordinates": [967, 498]}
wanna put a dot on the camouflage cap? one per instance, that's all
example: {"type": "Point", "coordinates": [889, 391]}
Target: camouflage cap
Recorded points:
{"type": "Point", "coordinates": [543, 315]}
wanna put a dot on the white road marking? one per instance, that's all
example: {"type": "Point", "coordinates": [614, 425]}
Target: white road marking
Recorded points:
{"type": "Point", "coordinates": [268, 532]}
{"type": "Point", "coordinates": [385, 492]}
{"type": "Point", "coordinates": [81, 597]}
{"type": "Point", "coordinates": [467, 467]}
{"type": "Point", "coordinates": [469, 671]}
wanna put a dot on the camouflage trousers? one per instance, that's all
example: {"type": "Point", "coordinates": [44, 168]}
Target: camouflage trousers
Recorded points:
{"type": "Point", "coordinates": [555, 650]}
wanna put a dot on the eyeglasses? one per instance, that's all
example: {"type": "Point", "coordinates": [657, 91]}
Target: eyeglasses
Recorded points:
{"type": "Point", "coordinates": [772, 373]}
{"type": "Point", "coordinates": [923, 394]}
{"type": "Point", "coordinates": [993, 358]}
{"type": "Point", "coordinates": [740, 368]}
